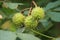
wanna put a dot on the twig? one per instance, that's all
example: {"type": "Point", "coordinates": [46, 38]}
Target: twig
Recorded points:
{"type": "Point", "coordinates": [41, 34]}
{"type": "Point", "coordinates": [30, 11]}
{"type": "Point", "coordinates": [24, 10]}
{"type": "Point", "coordinates": [34, 3]}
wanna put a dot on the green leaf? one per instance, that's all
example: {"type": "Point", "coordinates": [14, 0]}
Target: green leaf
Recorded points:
{"type": "Point", "coordinates": [56, 9]}
{"type": "Point", "coordinates": [24, 36]}
{"type": "Point", "coordinates": [21, 30]}
{"type": "Point", "coordinates": [52, 5]}
{"type": "Point", "coordinates": [26, 13]}
{"type": "Point", "coordinates": [42, 2]}
{"type": "Point", "coordinates": [55, 16]}
{"type": "Point", "coordinates": [8, 12]}
{"type": "Point", "coordinates": [46, 24]}
{"type": "Point", "coordinates": [13, 5]}
{"type": "Point", "coordinates": [6, 35]}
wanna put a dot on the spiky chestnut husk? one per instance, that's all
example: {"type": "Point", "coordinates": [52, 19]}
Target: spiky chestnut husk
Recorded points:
{"type": "Point", "coordinates": [30, 22]}
{"type": "Point", "coordinates": [18, 18]}
{"type": "Point", "coordinates": [38, 13]}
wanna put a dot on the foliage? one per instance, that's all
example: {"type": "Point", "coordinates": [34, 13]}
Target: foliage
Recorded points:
{"type": "Point", "coordinates": [47, 28]}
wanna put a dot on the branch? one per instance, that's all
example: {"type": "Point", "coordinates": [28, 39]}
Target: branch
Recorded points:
{"type": "Point", "coordinates": [30, 10]}
{"type": "Point", "coordinates": [22, 11]}
{"type": "Point", "coordinates": [41, 34]}
{"type": "Point", "coordinates": [34, 3]}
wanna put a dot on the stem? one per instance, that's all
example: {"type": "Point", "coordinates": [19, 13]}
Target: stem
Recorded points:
{"type": "Point", "coordinates": [30, 11]}
{"type": "Point", "coordinates": [34, 3]}
{"type": "Point", "coordinates": [24, 9]}
{"type": "Point", "coordinates": [41, 34]}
